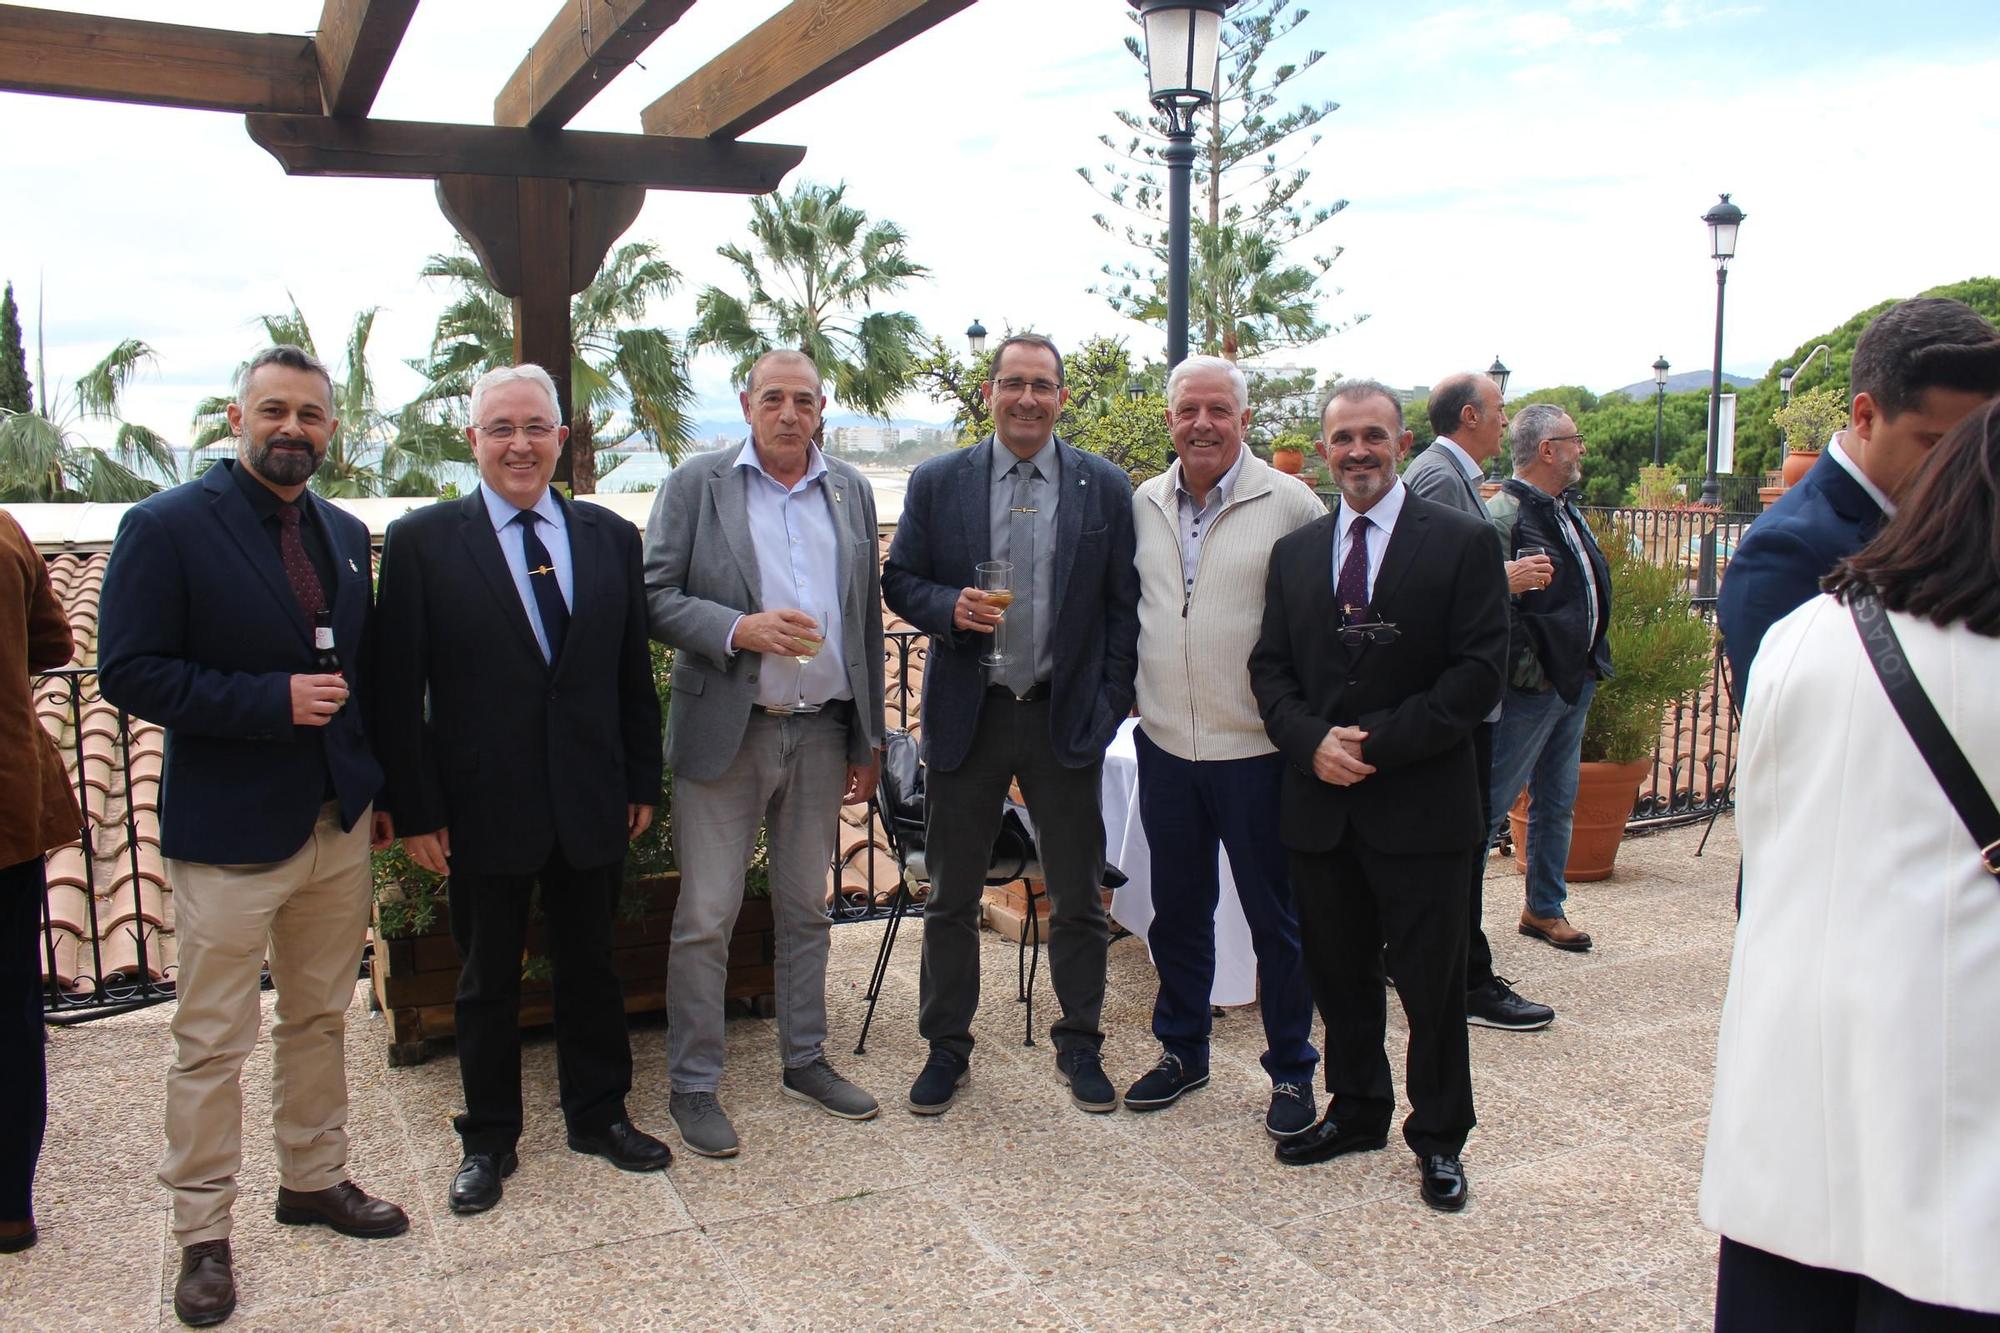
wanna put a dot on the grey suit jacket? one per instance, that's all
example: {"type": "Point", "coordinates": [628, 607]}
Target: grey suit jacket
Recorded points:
{"type": "Point", "coordinates": [701, 574]}
{"type": "Point", "coordinates": [1435, 475]}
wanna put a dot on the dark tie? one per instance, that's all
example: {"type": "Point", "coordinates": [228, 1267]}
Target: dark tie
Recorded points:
{"type": "Point", "coordinates": [1021, 551]}
{"type": "Point", "coordinates": [299, 569]}
{"type": "Point", "coordinates": [1351, 588]}
{"type": "Point", "coordinates": [542, 578]}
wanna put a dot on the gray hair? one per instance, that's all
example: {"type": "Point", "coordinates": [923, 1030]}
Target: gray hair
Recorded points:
{"type": "Point", "coordinates": [1194, 365]}
{"type": "Point", "coordinates": [283, 354]}
{"type": "Point", "coordinates": [530, 373]}
{"type": "Point", "coordinates": [1530, 426]}
{"type": "Point", "coordinates": [1357, 389]}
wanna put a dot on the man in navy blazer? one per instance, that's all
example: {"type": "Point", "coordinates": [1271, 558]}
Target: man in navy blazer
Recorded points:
{"type": "Point", "coordinates": [1063, 519]}
{"type": "Point", "coordinates": [214, 595]}
{"type": "Point", "coordinates": [1920, 367]}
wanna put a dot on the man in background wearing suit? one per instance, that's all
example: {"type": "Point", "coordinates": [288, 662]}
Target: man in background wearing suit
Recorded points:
{"type": "Point", "coordinates": [763, 574]}
{"type": "Point", "coordinates": [520, 728]}
{"type": "Point", "coordinates": [1063, 519]}
{"type": "Point", "coordinates": [1470, 421]}
{"type": "Point", "coordinates": [1383, 643]}
{"type": "Point", "coordinates": [207, 627]}
{"type": "Point", "coordinates": [1919, 369]}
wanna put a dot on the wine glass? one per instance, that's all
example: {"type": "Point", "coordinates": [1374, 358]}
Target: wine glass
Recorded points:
{"type": "Point", "coordinates": [995, 578]}
{"type": "Point", "coordinates": [822, 617]}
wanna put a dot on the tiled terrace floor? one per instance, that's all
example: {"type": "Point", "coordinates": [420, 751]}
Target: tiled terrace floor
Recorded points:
{"type": "Point", "coordinates": [1013, 1210]}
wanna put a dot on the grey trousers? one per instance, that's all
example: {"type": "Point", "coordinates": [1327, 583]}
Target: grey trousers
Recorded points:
{"type": "Point", "coordinates": [961, 819]}
{"type": "Point", "coordinates": [788, 776]}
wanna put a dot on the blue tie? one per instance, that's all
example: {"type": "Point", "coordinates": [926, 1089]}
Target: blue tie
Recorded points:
{"type": "Point", "coordinates": [542, 578]}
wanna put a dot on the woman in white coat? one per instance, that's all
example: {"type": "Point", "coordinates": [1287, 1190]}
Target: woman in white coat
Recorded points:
{"type": "Point", "coordinates": [1854, 1145]}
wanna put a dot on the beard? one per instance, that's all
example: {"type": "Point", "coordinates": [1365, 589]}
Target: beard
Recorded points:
{"type": "Point", "coordinates": [283, 467]}
{"type": "Point", "coordinates": [1364, 487]}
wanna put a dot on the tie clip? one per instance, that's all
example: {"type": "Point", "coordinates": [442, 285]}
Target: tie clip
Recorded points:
{"type": "Point", "coordinates": [1022, 509]}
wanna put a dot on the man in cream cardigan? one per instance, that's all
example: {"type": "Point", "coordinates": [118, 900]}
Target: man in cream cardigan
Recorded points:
{"type": "Point", "coordinates": [1208, 774]}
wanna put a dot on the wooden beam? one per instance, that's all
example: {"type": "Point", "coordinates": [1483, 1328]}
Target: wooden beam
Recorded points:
{"type": "Point", "coordinates": [585, 47]}
{"type": "Point", "coordinates": [162, 64]}
{"type": "Point", "coordinates": [355, 42]}
{"type": "Point", "coordinates": [801, 49]}
{"type": "Point", "coordinates": [330, 146]}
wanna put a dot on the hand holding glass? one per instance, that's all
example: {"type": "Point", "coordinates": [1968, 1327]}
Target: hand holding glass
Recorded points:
{"type": "Point", "coordinates": [815, 641]}
{"type": "Point", "coordinates": [995, 578]}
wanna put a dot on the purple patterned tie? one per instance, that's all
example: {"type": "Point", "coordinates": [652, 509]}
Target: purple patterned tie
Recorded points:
{"type": "Point", "coordinates": [1351, 589]}
{"type": "Point", "coordinates": [298, 565]}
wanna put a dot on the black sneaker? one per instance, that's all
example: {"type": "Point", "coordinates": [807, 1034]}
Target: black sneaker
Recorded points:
{"type": "Point", "coordinates": [1495, 1005]}
{"type": "Point", "coordinates": [1084, 1072]}
{"type": "Point", "coordinates": [1163, 1084]}
{"type": "Point", "coordinates": [937, 1087]}
{"type": "Point", "coordinates": [1292, 1111]}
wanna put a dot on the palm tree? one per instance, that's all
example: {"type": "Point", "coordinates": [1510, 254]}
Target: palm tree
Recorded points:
{"type": "Point", "coordinates": [618, 363]}
{"type": "Point", "coordinates": [373, 452]}
{"type": "Point", "coordinates": [1243, 297]}
{"type": "Point", "coordinates": [45, 458]}
{"type": "Point", "coordinates": [827, 266]}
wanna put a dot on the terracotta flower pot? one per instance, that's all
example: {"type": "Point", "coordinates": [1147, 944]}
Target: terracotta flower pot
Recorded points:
{"type": "Point", "coordinates": [1605, 795]}
{"type": "Point", "coordinates": [1290, 461]}
{"type": "Point", "coordinates": [1797, 463]}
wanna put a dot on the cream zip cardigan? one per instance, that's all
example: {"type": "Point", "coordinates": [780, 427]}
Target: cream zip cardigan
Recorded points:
{"type": "Point", "coordinates": [1194, 644]}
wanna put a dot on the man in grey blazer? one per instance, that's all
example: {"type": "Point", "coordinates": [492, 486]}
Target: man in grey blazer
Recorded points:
{"type": "Point", "coordinates": [756, 556]}
{"type": "Point", "coordinates": [1063, 519]}
{"type": "Point", "coordinates": [1470, 421]}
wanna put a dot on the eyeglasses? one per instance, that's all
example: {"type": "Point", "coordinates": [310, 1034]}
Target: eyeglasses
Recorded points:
{"type": "Point", "coordinates": [537, 432]}
{"type": "Point", "coordinates": [1014, 384]}
{"type": "Point", "coordinates": [1553, 438]}
{"type": "Point", "coordinates": [1375, 631]}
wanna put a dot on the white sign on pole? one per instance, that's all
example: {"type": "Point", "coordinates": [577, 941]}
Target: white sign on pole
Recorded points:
{"type": "Point", "coordinates": [1725, 444]}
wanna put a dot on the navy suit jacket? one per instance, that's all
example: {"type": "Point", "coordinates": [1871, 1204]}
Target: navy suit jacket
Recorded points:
{"type": "Point", "coordinates": [946, 529]}
{"type": "Point", "coordinates": [515, 756]}
{"type": "Point", "coordinates": [1777, 567]}
{"type": "Point", "coordinates": [200, 631]}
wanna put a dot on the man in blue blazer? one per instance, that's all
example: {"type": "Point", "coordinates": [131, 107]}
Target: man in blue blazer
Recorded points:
{"type": "Point", "coordinates": [221, 597]}
{"type": "Point", "coordinates": [1920, 367]}
{"type": "Point", "coordinates": [1063, 519]}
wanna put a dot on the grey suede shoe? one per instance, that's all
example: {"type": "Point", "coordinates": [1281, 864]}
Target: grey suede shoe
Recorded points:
{"type": "Point", "coordinates": [817, 1083]}
{"type": "Point", "coordinates": [703, 1126]}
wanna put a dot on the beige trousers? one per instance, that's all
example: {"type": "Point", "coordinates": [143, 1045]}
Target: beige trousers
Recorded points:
{"type": "Point", "coordinates": [309, 915]}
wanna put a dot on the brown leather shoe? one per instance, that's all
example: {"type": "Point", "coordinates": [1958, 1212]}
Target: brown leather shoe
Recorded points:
{"type": "Point", "coordinates": [344, 1208]}
{"type": "Point", "coordinates": [206, 1292]}
{"type": "Point", "coordinates": [1554, 930]}
{"type": "Point", "coordinates": [17, 1236]}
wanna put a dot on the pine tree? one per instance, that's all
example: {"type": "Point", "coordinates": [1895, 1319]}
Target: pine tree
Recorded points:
{"type": "Point", "coordinates": [16, 390]}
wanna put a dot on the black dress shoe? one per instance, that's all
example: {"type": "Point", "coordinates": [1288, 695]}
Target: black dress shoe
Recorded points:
{"type": "Point", "coordinates": [1444, 1183]}
{"type": "Point", "coordinates": [624, 1146]}
{"type": "Point", "coordinates": [205, 1292]}
{"type": "Point", "coordinates": [1327, 1140]}
{"type": "Point", "coordinates": [17, 1236]}
{"type": "Point", "coordinates": [476, 1187]}
{"type": "Point", "coordinates": [1496, 1005]}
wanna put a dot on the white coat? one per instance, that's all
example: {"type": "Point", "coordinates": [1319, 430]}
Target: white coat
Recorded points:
{"type": "Point", "coordinates": [1856, 1123]}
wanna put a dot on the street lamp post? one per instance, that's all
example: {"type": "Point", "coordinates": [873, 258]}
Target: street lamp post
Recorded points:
{"type": "Point", "coordinates": [1724, 220]}
{"type": "Point", "coordinates": [1660, 369]}
{"type": "Point", "coordinates": [1183, 68]}
{"type": "Point", "coordinates": [1498, 373]}
{"type": "Point", "coordinates": [975, 337]}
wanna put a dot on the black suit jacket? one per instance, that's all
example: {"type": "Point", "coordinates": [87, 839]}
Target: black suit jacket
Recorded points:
{"type": "Point", "coordinates": [945, 530]}
{"type": "Point", "coordinates": [1418, 698]}
{"type": "Point", "coordinates": [200, 631]}
{"type": "Point", "coordinates": [478, 735]}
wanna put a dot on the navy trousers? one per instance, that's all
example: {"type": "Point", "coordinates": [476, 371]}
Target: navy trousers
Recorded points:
{"type": "Point", "coordinates": [24, 1108]}
{"type": "Point", "coordinates": [1189, 809]}
{"type": "Point", "coordinates": [1760, 1292]}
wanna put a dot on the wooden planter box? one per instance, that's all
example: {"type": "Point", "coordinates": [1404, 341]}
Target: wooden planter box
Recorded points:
{"type": "Point", "coordinates": [415, 978]}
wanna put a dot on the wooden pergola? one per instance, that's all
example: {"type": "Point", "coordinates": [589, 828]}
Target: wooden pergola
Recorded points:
{"type": "Point", "coordinates": [539, 204]}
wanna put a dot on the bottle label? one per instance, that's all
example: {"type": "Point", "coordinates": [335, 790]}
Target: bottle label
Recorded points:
{"type": "Point", "coordinates": [323, 638]}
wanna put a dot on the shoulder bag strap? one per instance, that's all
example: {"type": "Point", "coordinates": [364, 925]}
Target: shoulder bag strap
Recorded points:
{"type": "Point", "coordinates": [1934, 742]}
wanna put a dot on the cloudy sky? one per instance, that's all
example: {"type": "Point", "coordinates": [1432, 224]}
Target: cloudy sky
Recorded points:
{"type": "Point", "coordinates": [1524, 179]}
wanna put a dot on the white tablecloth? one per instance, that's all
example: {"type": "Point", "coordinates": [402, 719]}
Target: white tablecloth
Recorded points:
{"type": "Point", "coordinates": [1132, 904]}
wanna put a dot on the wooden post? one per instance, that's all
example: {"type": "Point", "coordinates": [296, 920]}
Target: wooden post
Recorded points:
{"type": "Point", "coordinates": [540, 241]}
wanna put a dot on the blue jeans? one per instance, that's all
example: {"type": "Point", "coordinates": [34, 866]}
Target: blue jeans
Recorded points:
{"type": "Point", "coordinates": [1536, 743]}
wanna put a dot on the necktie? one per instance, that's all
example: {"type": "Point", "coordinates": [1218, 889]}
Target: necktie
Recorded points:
{"type": "Point", "coordinates": [1021, 550]}
{"type": "Point", "coordinates": [542, 578]}
{"type": "Point", "coordinates": [1351, 588]}
{"type": "Point", "coordinates": [299, 569]}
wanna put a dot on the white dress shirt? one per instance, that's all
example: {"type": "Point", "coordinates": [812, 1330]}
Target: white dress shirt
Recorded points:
{"type": "Point", "coordinates": [1381, 522]}
{"type": "Point", "coordinates": [1853, 469]}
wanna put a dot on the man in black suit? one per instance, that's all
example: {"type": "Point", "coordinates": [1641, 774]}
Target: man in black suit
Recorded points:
{"type": "Point", "coordinates": [1063, 519]}
{"type": "Point", "coordinates": [520, 729]}
{"type": "Point", "coordinates": [1383, 644]}
{"type": "Point", "coordinates": [208, 618]}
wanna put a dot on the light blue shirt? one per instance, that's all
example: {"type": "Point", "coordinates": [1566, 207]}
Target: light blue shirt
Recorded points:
{"type": "Point", "coordinates": [554, 534]}
{"type": "Point", "coordinates": [798, 565]}
{"type": "Point", "coordinates": [1192, 516]}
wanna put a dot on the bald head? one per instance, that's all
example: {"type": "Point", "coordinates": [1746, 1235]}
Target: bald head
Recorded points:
{"type": "Point", "coordinates": [1466, 410]}
{"type": "Point", "coordinates": [788, 357]}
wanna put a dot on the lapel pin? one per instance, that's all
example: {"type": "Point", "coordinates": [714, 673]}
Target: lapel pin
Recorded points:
{"type": "Point", "coordinates": [351, 566]}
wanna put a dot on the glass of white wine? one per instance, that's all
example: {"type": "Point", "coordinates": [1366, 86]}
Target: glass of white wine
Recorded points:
{"type": "Point", "coordinates": [815, 641]}
{"type": "Point", "coordinates": [995, 578]}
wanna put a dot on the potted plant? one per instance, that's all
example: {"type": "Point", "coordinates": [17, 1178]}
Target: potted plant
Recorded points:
{"type": "Point", "coordinates": [1809, 421]}
{"type": "Point", "coordinates": [1288, 452]}
{"type": "Point", "coordinates": [414, 973]}
{"type": "Point", "coordinates": [1660, 652]}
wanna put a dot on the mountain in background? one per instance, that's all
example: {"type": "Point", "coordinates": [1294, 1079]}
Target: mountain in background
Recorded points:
{"type": "Point", "coordinates": [1687, 381]}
